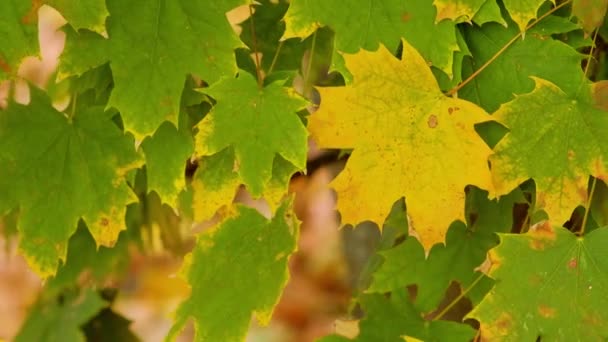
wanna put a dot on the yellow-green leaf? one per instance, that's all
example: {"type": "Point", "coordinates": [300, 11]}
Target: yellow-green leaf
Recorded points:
{"type": "Point", "coordinates": [74, 169]}
{"type": "Point", "coordinates": [555, 139]}
{"type": "Point", "coordinates": [549, 283]}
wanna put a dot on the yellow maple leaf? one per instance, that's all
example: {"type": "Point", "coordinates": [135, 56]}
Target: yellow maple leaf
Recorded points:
{"type": "Point", "coordinates": [408, 139]}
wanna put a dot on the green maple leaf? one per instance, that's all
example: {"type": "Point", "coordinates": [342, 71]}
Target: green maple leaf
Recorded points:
{"type": "Point", "coordinates": [237, 270]}
{"type": "Point", "coordinates": [74, 169]}
{"type": "Point", "coordinates": [87, 265]}
{"type": "Point", "coordinates": [151, 48]}
{"type": "Point", "coordinates": [395, 319]}
{"type": "Point", "coordinates": [166, 154]}
{"type": "Point", "coordinates": [83, 51]}
{"type": "Point", "coordinates": [60, 321]}
{"type": "Point", "coordinates": [556, 139]}
{"type": "Point", "coordinates": [456, 260]}
{"type": "Point", "coordinates": [269, 28]}
{"type": "Point", "coordinates": [406, 265]}
{"type": "Point", "coordinates": [88, 14]}
{"type": "Point", "coordinates": [258, 123]}
{"type": "Point", "coordinates": [536, 55]}
{"type": "Point", "coordinates": [18, 34]}
{"type": "Point", "coordinates": [368, 23]}
{"type": "Point", "coordinates": [549, 283]}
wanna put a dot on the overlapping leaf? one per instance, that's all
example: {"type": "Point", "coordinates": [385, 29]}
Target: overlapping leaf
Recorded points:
{"type": "Point", "coordinates": [408, 139]}
{"type": "Point", "coordinates": [522, 11]}
{"type": "Point", "coordinates": [61, 320]}
{"type": "Point", "coordinates": [88, 14]}
{"type": "Point", "coordinates": [467, 10]}
{"type": "Point", "coordinates": [237, 271]}
{"type": "Point", "coordinates": [590, 12]}
{"type": "Point", "coordinates": [377, 22]}
{"type": "Point", "coordinates": [152, 47]}
{"type": "Point", "coordinates": [74, 170]}
{"type": "Point", "coordinates": [489, 12]}
{"type": "Point", "coordinates": [537, 55]}
{"type": "Point", "coordinates": [166, 154]}
{"type": "Point", "coordinates": [258, 123]}
{"type": "Point", "coordinates": [86, 265]}
{"type": "Point", "coordinates": [18, 34]}
{"type": "Point", "coordinates": [395, 319]}
{"type": "Point", "coordinates": [465, 250]}
{"type": "Point", "coordinates": [549, 283]}
{"type": "Point", "coordinates": [556, 139]}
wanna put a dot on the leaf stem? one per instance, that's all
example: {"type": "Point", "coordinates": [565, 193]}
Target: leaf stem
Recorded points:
{"type": "Point", "coordinates": [460, 296]}
{"type": "Point", "coordinates": [256, 56]}
{"type": "Point", "coordinates": [504, 48]}
{"type": "Point", "coordinates": [588, 207]}
{"type": "Point", "coordinates": [589, 57]}
{"type": "Point", "coordinates": [73, 108]}
{"type": "Point", "coordinates": [310, 60]}
{"type": "Point", "coordinates": [276, 56]}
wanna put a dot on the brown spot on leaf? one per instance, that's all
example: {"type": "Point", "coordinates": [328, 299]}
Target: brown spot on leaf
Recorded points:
{"type": "Point", "coordinates": [105, 222]}
{"type": "Point", "coordinates": [503, 324]}
{"type": "Point", "coordinates": [541, 235]}
{"type": "Point", "coordinates": [4, 66]}
{"type": "Point", "coordinates": [433, 121]}
{"type": "Point", "coordinates": [405, 17]}
{"type": "Point", "coordinates": [600, 95]}
{"type": "Point", "coordinates": [570, 155]}
{"type": "Point", "coordinates": [572, 263]}
{"type": "Point", "coordinates": [546, 311]}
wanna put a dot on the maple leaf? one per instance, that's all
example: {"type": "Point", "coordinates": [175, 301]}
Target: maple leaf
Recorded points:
{"type": "Point", "coordinates": [408, 139]}
{"type": "Point", "coordinates": [151, 49]}
{"type": "Point", "coordinates": [166, 154]}
{"type": "Point", "coordinates": [87, 14]}
{"type": "Point", "coordinates": [18, 34]}
{"type": "Point", "coordinates": [457, 260]}
{"type": "Point", "coordinates": [258, 123]}
{"type": "Point", "coordinates": [61, 320]}
{"type": "Point", "coordinates": [536, 55]}
{"type": "Point", "coordinates": [378, 22]}
{"type": "Point", "coordinates": [556, 139]}
{"type": "Point", "coordinates": [395, 319]}
{"type": "Point", "coordinates": [74, 169]}
{"type": "Point", "coordinates": [237, 270]}
{"type": "Point", "coordinates": [549, 283]}
{"type": "Point", "coordinates": [86, 265]}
